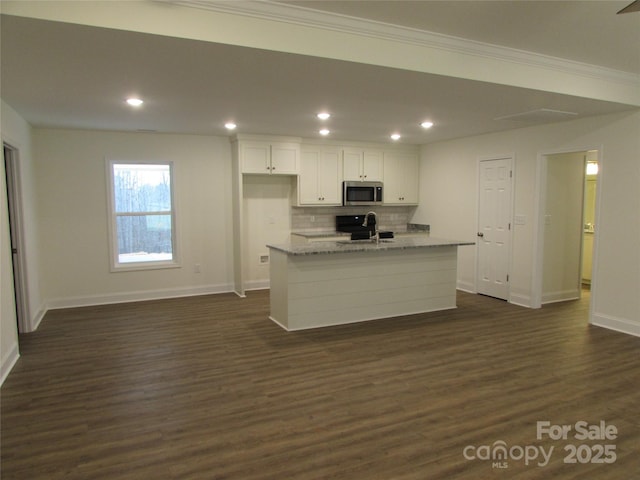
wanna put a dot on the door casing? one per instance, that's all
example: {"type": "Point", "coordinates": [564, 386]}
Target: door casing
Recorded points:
{"type": "Point", "coordinates": [14, 205]}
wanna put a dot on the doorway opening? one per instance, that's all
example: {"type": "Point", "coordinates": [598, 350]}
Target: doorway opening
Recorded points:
{"type": "Point", "coordinates": [567, 224]}
{"type": "Point", "coordinates": [11, 166]}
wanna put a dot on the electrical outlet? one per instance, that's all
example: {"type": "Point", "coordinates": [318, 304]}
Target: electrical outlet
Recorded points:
{"type": "Point", "coordinates": [264, 258]}
{"type": "Point", "coordinates": [196, 268]}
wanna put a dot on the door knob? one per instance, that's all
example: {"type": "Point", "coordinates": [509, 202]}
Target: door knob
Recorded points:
{"type": "Point", "coordinates": [480, 234]}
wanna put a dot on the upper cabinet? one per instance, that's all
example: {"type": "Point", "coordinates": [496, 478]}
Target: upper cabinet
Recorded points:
{"type": "Point", "coordinates": [320, 176]}
{"type": "Point", "coordinates": [363, 165]}
{"type": "Point", "coordinates": [401, 176]}
{"type": "Point", "coordinates": [270, 158]}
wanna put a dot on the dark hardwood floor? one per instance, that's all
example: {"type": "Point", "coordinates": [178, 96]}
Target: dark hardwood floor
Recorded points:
{"type": "Point", "coordinates": [208, 388]}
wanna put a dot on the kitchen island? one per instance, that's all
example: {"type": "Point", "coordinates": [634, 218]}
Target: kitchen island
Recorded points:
{"type": "Point", "coordinates": [332, 283]}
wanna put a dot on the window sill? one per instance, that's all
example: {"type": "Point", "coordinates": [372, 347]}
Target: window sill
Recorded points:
{"type": "Point", "coordinates": [142, 266]}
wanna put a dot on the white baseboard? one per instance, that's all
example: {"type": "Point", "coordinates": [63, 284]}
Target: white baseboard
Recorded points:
{"type": "Point", "coordinates": [560, 296]}
{"type": "Point", "coordinates": [35, 321]}
{"type": "Point", "coordinates": [142, 295]}
{"type": "Point", "coordinates": [466, 287]}
{"type": "Point", "coordinates": [278, 323]}
{"type": "Point", "coordinates": [8, 362]}
{"type": "Point", "coordinates": [257, 285]}
{"type": "Point", "coordinates": [521, 300]}
{"type": "Point", "coordinates": [622, 325]}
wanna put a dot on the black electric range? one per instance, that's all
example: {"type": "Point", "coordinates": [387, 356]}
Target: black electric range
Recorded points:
{"type": "Point", "coordinates": [353, 224]}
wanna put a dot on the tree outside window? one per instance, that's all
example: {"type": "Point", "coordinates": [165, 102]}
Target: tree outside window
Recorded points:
{"type": "Point", "coordinates": [142, 214]}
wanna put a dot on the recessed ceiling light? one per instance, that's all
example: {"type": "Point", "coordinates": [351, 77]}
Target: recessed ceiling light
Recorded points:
{"type": "Point", "coordinates": [426, 124]}
{"type": "Point", "coordinates": [230, 126]}
{"type": "Point", "coordinates": [396, 136]}
{"type": "Point", "coordinates": [324, 115]}
{"type": "Point", "coordinates": [324, 132]}
{"type": "Point", "coordinates": [134, 102]}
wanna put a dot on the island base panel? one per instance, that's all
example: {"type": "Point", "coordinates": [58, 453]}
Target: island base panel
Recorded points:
{"type": "Point", "coordinates": [309, 291]}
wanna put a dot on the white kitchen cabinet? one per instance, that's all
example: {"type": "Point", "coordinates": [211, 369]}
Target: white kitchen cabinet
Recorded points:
{"type": "Point", "coordinates": [320, 176]}
{"type": "Point", "coordinates": [587, 257]}
{"type": "Point", "coordinates": [362, 165]}
{"type": "Point", "coordinates": [401, 177]}
{"type": "Point", "coordinates": [270, 158]}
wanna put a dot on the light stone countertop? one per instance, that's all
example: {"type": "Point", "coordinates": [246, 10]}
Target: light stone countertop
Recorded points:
{"type": "Point", "coordinates": [321, 234]}
{"type": "Point", "coordinates": [349, 246]}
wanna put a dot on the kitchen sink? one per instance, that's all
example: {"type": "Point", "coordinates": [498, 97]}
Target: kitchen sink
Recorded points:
{"type": "Point", "coordinates": [360, 238]}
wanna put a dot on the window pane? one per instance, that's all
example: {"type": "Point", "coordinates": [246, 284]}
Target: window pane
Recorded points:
{"type": "Point", "coordinates": [142, 188]}
{"type": "Point", "coordinates": [144, 238]}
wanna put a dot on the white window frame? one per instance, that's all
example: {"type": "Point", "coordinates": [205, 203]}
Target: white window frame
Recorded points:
{"type": "Point", "coordinates": [116, 265]}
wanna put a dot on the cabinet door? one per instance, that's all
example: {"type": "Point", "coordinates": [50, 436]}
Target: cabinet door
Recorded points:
{"type": "Point", "coordinates": [352, 164]}
{"type": "Point", "coordinates": [372, 166]}
{"type": "Point", "coordinates": [411, 174]}
{"type": "Point", "coordinates": [392, 179]}
{"type": "Point", "coordinates": [319, 181]}
{"type": "Point", "coordinates": [329, 178]}
{"type": "Point", "coordinates": [284, 158]}
{"type": "Point", "coordinates": [256, 157]}
{"type": "Point", "coordinates": [400, 179]}
{"type": "Point", "coordinates": [587, 257]}
{"type": "Point", "coordinates": [308, 179]}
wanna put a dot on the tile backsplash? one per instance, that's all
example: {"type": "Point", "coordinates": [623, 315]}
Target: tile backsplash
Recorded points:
{"type": "Point", "coordinates": [321, 219]}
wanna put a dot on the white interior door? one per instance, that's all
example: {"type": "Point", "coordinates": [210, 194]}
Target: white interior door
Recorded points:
{"type": "Point", "coordinates": [494, 227]}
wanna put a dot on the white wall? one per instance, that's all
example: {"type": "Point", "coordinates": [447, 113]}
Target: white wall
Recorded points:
{"type": "Point", "coordinates": [448, 201]}
{"type": "Point", "coordinates": [72, 194]}
{"type": "Point", "coordinates": [563, 227]}
{"type": "Point", "coordinates": [348, 40]}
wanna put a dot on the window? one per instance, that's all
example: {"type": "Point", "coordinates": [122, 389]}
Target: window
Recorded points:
{"type": "Point", "coordinates": [142, 215]}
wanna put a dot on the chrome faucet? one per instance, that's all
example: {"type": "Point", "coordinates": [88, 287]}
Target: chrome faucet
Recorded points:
{"type": "Point", "coordinates": [374, 224]}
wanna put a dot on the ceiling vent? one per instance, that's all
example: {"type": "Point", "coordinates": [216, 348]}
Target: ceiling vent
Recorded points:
{"type": "Point", "coordinates": [541, 115]}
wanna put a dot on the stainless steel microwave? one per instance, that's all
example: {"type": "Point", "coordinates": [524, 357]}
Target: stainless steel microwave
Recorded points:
{"type": "Point", "coordinates": [361, 193]}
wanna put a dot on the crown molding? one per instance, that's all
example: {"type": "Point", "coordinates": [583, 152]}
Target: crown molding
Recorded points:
{"type": "Point", "coordinates": [296, 15]}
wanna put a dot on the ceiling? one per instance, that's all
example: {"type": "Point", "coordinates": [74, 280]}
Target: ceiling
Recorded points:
{"type": "Point", "coordinates": [64, 75]}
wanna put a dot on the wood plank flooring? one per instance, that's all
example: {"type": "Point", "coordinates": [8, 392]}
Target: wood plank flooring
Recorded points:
{"type": "Point", "coordinates": [208, 388]}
